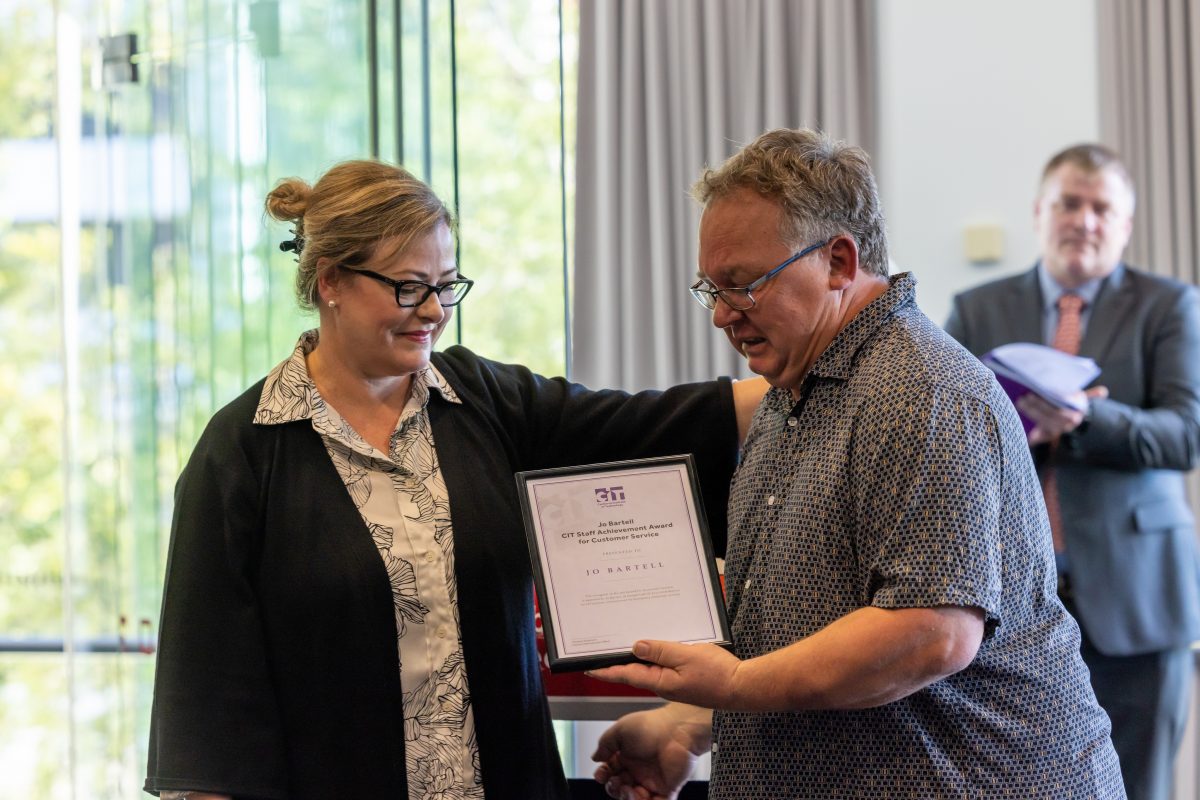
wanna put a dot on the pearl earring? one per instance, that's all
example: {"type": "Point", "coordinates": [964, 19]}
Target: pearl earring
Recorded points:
{"type": "Point", "coordinates": [333, 303]}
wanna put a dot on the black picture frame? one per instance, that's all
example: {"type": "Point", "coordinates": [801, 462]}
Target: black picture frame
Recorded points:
{"type": "Point", "coordinates": [551, 558]}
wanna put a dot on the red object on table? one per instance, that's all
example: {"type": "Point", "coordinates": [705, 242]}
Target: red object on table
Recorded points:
{"type": "Point", "coordinates": [575, 684]}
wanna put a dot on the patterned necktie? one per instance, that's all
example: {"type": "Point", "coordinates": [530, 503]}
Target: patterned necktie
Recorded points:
{"type": "Point", "coordinates": [1066, 338]}
{"type": "Point", "coordinates": [1069, 330]}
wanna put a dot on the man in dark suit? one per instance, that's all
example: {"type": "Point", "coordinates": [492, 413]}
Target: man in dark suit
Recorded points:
{"type": "Point", "coordinates": [1113, 475]}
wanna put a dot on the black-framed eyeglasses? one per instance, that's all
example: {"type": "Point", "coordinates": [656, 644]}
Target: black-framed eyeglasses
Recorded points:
{"type": "Point", "coordinates": [738, 297]}
{"type": "Point", "coordinates": [414, 293]}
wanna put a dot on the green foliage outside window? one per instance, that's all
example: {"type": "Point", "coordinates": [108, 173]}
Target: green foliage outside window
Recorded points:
{"type": "Point", "coordinates": [179, 297]}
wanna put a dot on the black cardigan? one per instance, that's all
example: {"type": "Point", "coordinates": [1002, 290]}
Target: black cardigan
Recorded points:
{"type": "Point", "coordinates": [277, 671]}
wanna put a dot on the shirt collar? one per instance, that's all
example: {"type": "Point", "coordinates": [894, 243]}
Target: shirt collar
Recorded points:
{"type": "Point", "coordinates": [1051, 290]}
{"type": "Point", "coordinates": [838, 359]}
{"type": "Point", "coordinates": [289, 393]}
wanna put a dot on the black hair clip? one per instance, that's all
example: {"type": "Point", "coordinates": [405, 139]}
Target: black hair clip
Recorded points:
{"type": "Point", "coordinates": [296, 243]}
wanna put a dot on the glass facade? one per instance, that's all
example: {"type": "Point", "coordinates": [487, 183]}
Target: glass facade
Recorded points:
{"type": "Point", "coordinates": [141, 286]}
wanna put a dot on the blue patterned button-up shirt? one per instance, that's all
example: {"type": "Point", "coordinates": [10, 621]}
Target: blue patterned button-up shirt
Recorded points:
{"type": "Point", "coordinates": [902, 479]}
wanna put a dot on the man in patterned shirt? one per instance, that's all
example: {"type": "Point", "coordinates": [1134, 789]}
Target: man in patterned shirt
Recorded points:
{"type": "Point", "coordinates": [890, 575]}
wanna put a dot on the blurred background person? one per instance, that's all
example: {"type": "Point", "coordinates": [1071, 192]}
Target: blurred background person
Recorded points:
{"type": "Point", "coordinates": [1113, 475]}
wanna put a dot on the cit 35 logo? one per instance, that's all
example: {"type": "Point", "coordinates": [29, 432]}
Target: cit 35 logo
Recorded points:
{"type": "Point", "coordinates": [610, 496]}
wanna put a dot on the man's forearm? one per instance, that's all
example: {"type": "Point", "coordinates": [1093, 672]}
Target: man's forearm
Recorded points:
{"type": "Point", "coordinates": [868, 658]}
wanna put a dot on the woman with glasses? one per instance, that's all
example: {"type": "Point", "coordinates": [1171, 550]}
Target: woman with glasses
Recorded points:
{"type": "Point", "coordinates": [347, 609]}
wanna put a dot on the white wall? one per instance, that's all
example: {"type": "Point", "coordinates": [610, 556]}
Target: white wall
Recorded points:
{"type": "Point", "coordinates": [974, 98]}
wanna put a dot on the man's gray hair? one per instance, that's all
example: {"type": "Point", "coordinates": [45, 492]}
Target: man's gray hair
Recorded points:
{"type": "Point", "coordinates": [824, 186]}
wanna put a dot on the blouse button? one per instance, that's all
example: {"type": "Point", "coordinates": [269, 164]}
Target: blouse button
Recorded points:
{"type": "Point", "coordinates": [441, 632]}
{"type": "Point", "coordinates": [793, 422]}
{"type": "Point", "coordinates": [771, 500]}
{"type": "Point", "coordinates": [429, 556]}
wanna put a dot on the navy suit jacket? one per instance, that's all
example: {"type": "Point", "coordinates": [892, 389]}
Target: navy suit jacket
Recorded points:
{"type": "Point", "coordinates": [1129, 531]}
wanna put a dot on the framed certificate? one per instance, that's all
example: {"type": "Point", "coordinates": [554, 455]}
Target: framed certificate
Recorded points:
{"type": "Point", "coordinates": [620, 552]}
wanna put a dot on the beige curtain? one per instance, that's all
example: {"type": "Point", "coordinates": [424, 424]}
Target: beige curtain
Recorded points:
{"type": "Point", "coordinates": [1149, 85]}
{"type": "Point", "coordinates": [665, 88]}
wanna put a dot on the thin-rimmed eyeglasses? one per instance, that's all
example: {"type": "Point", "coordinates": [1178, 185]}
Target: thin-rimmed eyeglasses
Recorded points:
{"type": "Point", "coordinates": [738, 297]}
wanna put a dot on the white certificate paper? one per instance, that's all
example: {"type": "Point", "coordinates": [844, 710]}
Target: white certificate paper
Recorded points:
{"type": "Point", "coordinates": [621, 552]}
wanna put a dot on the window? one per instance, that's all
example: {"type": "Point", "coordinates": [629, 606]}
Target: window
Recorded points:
{"type": "Point", "coordinates": [141, 287]}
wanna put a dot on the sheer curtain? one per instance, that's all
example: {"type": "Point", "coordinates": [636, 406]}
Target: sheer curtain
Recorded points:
{"type": "Point", "coordinates": [665, 88]}
{"type": "Point", "coordinates": [1149, 83]}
